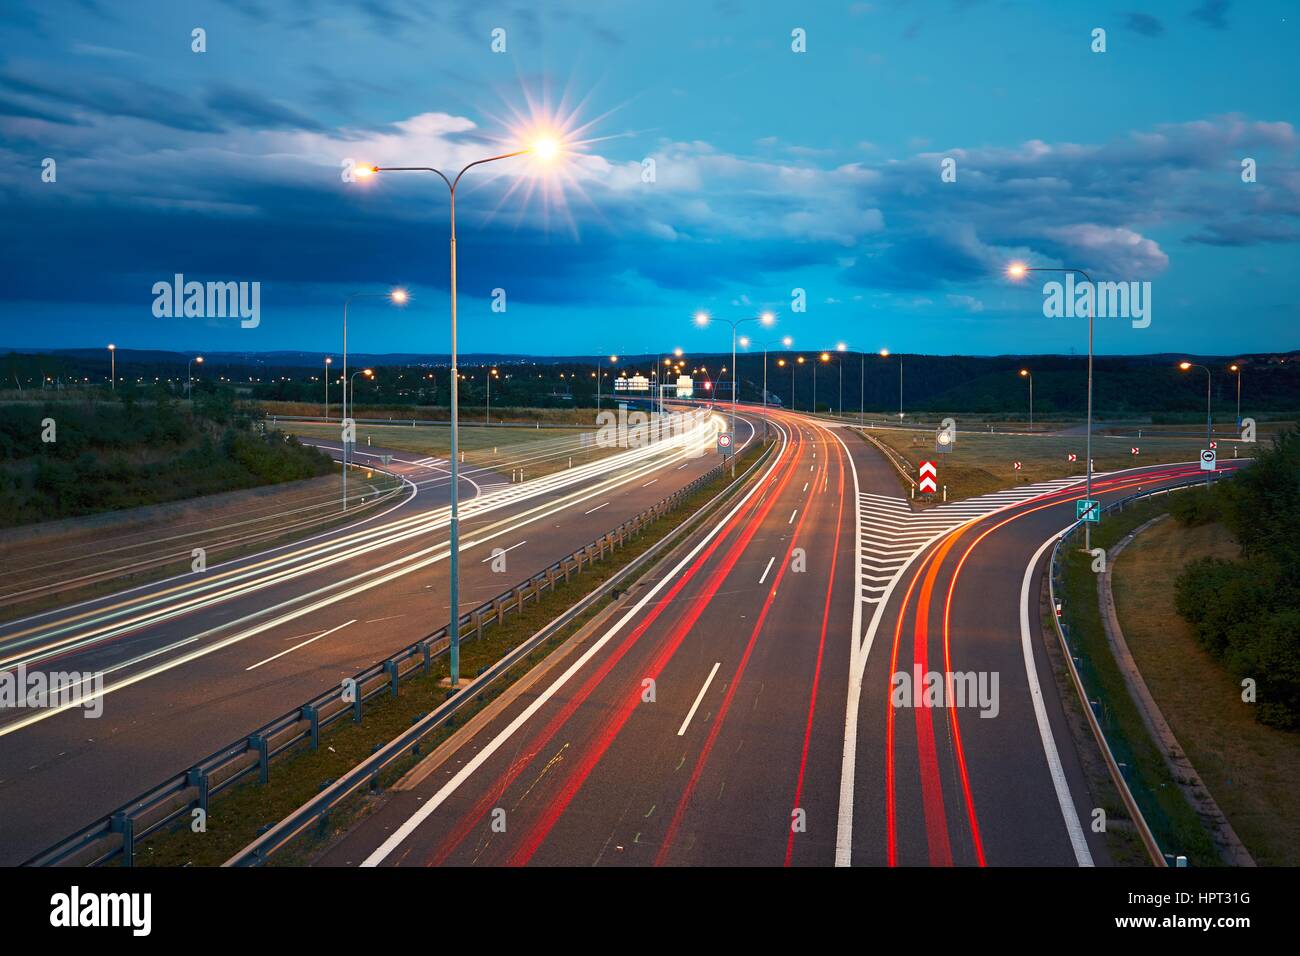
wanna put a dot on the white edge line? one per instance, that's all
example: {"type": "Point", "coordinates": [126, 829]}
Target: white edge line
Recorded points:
{"type": "Point", "coordinates": [310, 640]}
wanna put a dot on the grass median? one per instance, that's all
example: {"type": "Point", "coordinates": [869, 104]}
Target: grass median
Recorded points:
{"type": "Point", "coordinates": [236, 817]}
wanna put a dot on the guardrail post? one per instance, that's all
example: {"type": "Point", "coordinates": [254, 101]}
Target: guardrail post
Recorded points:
{"type": "Point", "coordinates": [477, 617]}
{"type": "Point", "coordinates": [391, 667]}
{"type": "Point", "coordinates": [124, 825]}
{"type": "Point", "coordinates": [356, 707]}
{"type": "Point", "coordinates": [312, 714]}
{"type": "Point", "coordinates": [198, 777]}
{"type": "Point", "coordinates": [424, 651]}
{"type": "Point", "coordinates": [258, 742]}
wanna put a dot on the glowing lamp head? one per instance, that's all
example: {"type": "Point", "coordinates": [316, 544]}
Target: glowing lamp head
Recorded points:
{"type": "Point", "coordinates": [677, 352]}
{"type": "Point", "coordinates": [884, 353]}
{"type": "Point", "coordinates": [787, 341]}
{"type": "Point", "coordinates": [780, 363]}
{"type": "Point", "coordinates": [368, 372]}
{"type": "Point", "coordinates": [328, 360]}
{"type": "Point", "coordinates": [767, 318]}
{"type": "Point", "coordinates": [112, 347]}
{"type": "Point", "coordinates": [1234, 368]}
{"type": "Point", "coordinates": [800, 359]}
{"type": "Point", "coordinates": [364, 170]}
{"type": "Point", "coordinates": [744, 341]}
{"type": "Point", "coordinates": [613, 358]}
{"type": "Point", "coordinates": [701, 318]}
{"type": "Point", "coordinates": [1017, 270]}
{"type": "Point", "coordinates": [400, 296]}
{"type": "Point", "coordinates": [826, 356]}
{"type": "Point", "coordinates": [1184, 365]}
{"type": "Point", "coordinates": [841, 347]}
{"type": "Point", "coordinates": [1024, 372]}
{"type": "Point", "coordinates": [545, 148]}
{"type": "Point", "coordinates": [199, 359]}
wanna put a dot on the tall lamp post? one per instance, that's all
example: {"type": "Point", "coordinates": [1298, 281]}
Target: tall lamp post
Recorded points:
{"type": "Point", "coordinates": [1017, 271]}
{"type": "Point", "coordinates": [702, 319]}
{"type": "Point", "coordinates": [1209, 421]}
{"type": "Point", "coordinates": [112, 363]}
{"type": "Point", "coordinates": [1025, 373]}
{"type": "Point", "coordinates": [787, 341]}
{"type": "Point", "coordinates": [397, 297]}
{"type": "Point", "coordinates": [487, 414]}
{"type": "Point", "coordinates": [328, 362]}
{"type": "Point", "coordinates": [546, 150]}
{"type": "Point", "coordinates": [189, 375]}
{"type": "Point", "coordinates": [1236, 368]}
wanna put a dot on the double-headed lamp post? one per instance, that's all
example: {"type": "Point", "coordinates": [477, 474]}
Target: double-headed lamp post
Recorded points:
{"type": "Point", "coordinates": [702, 319]}
{"type": "Point", "coordinates": [545, 149]}
{"type": "Point", "coordinates": [1025, 373]}
{"type": "Point", "coordinates": [1018, 271]}
{"type": "Point", "coordinates": [787, 341]}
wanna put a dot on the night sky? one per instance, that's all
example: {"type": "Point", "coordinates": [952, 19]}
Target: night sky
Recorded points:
{"type": "Point", "coordinates": [774, 170]}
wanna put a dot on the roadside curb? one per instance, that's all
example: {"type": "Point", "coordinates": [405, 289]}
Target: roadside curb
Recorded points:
{"type": "Point", "coordinates": [1198, 795]}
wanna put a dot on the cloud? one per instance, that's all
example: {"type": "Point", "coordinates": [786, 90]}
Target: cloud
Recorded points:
{"type": "Point", "coordinates": [1213, 13]}
{"type": "Point", "coordinates": [1144, 23]}
{"type": "Point", "coordinates": [249, 108]}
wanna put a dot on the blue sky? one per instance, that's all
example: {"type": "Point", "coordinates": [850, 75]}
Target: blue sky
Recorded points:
{"type": "Point", "coordinates": [774, 171]}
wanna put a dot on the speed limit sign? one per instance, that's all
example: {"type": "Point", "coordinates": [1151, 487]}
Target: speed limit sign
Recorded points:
{"type": "Point", "coordinates": [1209, 459]}
{"type": "Point", "coordinates": [724, 443]}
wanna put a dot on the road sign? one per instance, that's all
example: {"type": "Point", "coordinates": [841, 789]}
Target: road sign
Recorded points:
{"type": "Point", "coordinates": [724, 443]}
{"type": "Point", "coordinates": [1085, 510]}
{"type": "Point", "coordinates": [1209, 459]}
{"type": "Point", "coordinates": [1072, 457]}
{"type": "Point", "coordinates": [1015, 465]}
{"type": "Point", "coordinates": [1214, 444]}
{"type": "Point", "coordinates": [929, 477]}
{"type": "Point", "coordinates": [943, 441]}
{"type": "Point", "coordinates": [1135, 450]}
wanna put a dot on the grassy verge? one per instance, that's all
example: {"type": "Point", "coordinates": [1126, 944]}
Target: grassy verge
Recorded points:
{"type": "Point", "coordinates": [578, 417]}
{"type": "Point", "coordinates": [52, 565]}
{"type": "Point", "coordinates": [1176, 826]}
{"type": "Point", "coordinates": [1253, 771]}
{"type": "Point", "coordinates": [981, 463]}
{"type": "Point", "coordinates": [239, 815]}
{"type": "Point", "coordinates": [538, 452]}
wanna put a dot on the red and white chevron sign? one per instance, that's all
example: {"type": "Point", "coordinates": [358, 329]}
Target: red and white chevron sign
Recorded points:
{"type": "Point", "coordinates": [929, 477]}
{"type": "Point", "coordinates": [1015, 465]}
{"type": "Point", "coordinates": [1072, 457]}
{"type": "Point", "coordinates": [1136, 450]}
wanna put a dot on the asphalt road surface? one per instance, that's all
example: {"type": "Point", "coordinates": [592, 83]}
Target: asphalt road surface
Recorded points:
{"type": "Point", "coordinates": [743, 710]}
{"type": "Point", "coordinates": [194, 662]}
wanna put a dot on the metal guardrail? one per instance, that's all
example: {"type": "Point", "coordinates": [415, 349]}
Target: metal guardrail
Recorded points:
{"type": "Point", "coordinates": [901, 464]}
{"type": "Point", "coordinates": [1054, 578]}
{"type": "Point", "coordinates": [366, 774]}
{"type": "Point", "coordinates": [114, 837]}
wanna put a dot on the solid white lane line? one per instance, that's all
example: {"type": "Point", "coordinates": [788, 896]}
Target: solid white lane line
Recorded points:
{"type": "Point", "coordinates": [1082, 855]}
{"type": "Point", "coordinates": [767, 569]}
{"type": "Point", "coordinates": [805, 486]}
{"type": "Point", "coordinates": [597, 508]}
{"type": "Point", "coordinates": [311, 640]}
{"type": "Point", "coordinates": [695, 706]}
{"type": "Point", "coordinates": [496, 553]}
{"type": "Point", "coordinates": [792, 514]}
{"type": "Point", "coordinates": [650, 482]}
{"type": "Point", "coordinates": [426, 809]}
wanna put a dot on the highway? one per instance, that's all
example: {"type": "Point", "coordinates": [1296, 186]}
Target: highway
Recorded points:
{"type": "Point", "coordinates": [738, 711]}
{"type": "Point", "coordinates": [197, 660]}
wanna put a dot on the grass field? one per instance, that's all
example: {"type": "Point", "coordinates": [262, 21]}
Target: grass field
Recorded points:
{"type": "Point", "coordinates": [981, 462]}
{"type": "Point", "coordinates": [577, 417]}
{"type": "Point", "coordinates": [537, 451]}
{"type": "Point", "coordinates": [1252, 771]}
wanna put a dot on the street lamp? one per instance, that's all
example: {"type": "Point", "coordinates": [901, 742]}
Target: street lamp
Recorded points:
{"type": "Point", "coordinates": [397, 296]}
{"type": "Point", "coordinates": [766, 318]}
{"type": "Point", "coordinates": [546, 149]}
{"type": "Point", "coordinates": [1236, 367]}
{"type": "Point", "coordinates": [1209, 422]}
{"type": "Point", "coordinates": [787, 341]}
{"type": "Point", "coordinates": [884, 353]}
{"type": "Point", "coordinates": [189, 375]}
{"type": "Point", "coordinates": [112, 361]}
{"type": "Point", "coordinates": [1018, 271]}
{"type": "Point", "coordinates": [328, 362]}
{"type": "Point", "coordinates": [487, 414]}
{"type": "Point", "coordinates": [1025, 373]}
